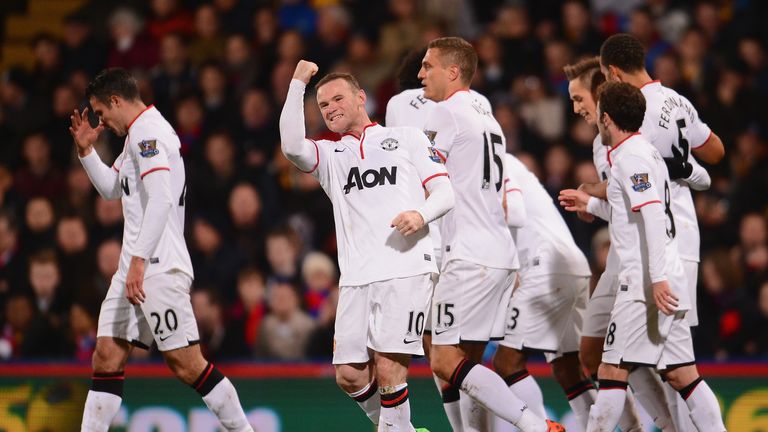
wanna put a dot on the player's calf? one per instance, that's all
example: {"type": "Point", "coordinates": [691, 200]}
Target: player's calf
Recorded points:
{"type": "Point", "coordinates": [701, 401]}
{"type": "Point", "coordinates": [356, 379]}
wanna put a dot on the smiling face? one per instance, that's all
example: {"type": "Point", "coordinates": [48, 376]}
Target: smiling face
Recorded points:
{"type": "Point", "coordinates": [110, 115]}
{"type": "Point", "coordinates": [583, 103]}
{"type": "Point", "coordinates": [340, 105]}
{"type": "Point", "coordinates": [434, 75]}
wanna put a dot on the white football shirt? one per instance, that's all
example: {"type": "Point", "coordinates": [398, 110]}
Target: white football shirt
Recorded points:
{"type": "Point", "coordinates": [638, 177]}
{"type": "Point", "coordinates": [411, 108]}
{"type": "Point", "coordinates": [545, 244]}
{"type": "Point", "coordinates": [600, 159]}
{"type": "Point", "coordinates": [473, 145]}
{"type": "Point", "coordinates": [670, 122]}
{"type": "Point", "coordinates": [370, 181]}
{"type": "Point", "coordinates": [152, 145]}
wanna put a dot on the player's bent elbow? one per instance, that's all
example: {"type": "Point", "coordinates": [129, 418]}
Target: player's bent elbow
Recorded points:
{"type": "Point", "coordinates": [712, 151]}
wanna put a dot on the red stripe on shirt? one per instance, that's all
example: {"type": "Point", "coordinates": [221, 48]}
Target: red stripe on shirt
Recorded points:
{"type": "Point", "coordinates": [441, 156]}
{"type": "Point", "coordinates": [317, 155]}
{"type": "Point", "coordinates": [639, 206]}
{"type": "Point", "coordinates": [705, 141]}
{"type": "Point", "coordinates": [115, 168]}
{"type": "Point", "coordinates": [155, 169]}
{"type": "Point", "coordinates": [139, 115]}
{"type": "Point", "coordinates": [433, 176]}
{"type": "Point", "coordinates": [513, 190]}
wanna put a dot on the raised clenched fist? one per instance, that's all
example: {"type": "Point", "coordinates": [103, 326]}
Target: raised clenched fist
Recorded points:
{"type": "Point", "coordinates": [304, 71]}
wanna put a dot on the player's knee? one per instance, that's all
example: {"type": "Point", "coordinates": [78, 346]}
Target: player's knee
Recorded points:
{"type": "Point", "coordinates": [507, 361]}
{"type": "Point", "coordinates": [349, 379]}
{"type": "Point", "coordinates": [108, 357]}
{"type": "Point", "coordinates": [590, 360]}
{"type": "Point", "coordinates": [441, 366]}
{"type": "Point", "coordinates": [681, 377]}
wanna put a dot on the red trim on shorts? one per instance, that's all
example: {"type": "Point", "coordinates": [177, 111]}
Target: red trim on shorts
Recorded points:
{"type": "Point", "coordinates": [639, 206]}
{"type": "Point", "coordinates": [139, 115]}
{"type": "Point", "coordinates": [433, 176]}
{"type": "Point", "coordinates": [155, 169]}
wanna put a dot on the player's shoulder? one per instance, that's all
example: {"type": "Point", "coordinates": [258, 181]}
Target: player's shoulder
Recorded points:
{"type": "Point", "coordinates": [407, 95]}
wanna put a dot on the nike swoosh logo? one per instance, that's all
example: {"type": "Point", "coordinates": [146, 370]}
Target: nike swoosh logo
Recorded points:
{"type": "Point", "coordinates": [441, 332]}
{"type": "Point", "coordinates": [162, 339]}
{"type": "Point", "coordinates": [406, 341]}
{"type": "Point", "coordinates": [339, 150]}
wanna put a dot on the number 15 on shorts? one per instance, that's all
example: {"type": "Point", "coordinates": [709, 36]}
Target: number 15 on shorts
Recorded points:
{"type": "Point", "coordinates": [443, 317]}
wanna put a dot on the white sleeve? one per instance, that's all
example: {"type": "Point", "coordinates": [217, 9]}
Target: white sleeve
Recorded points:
{"type": "Point", "coordinates": [104, 178]}
{"type": "Point", "coordinates": [516, 214]}
{"type": "Point", "coordinates": [440, 200]}
{"type": "Point", "coordinates": [390, 118]}
{"type": "Point", "coordinates": [303, 153]}
{"type": "Point", "coordinates": [699, 179]}
{"type": "Point", "coordinates": [600, 208]}
{"type": "Point", "coordinates": [654, 222]}
{"type": "Point", "coordinates": [441, 129]}
{"type": "Point", "coordinates": [159, 204]}
{"type": "Point", "coordinates": [696, 131]}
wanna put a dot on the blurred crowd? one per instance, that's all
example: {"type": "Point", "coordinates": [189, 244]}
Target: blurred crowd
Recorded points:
{"type": "Point", "coordinates": [261, 233]}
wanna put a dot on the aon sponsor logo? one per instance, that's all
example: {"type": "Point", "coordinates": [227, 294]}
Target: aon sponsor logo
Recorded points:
{"type": "Point", "coordinates": [370, 178]}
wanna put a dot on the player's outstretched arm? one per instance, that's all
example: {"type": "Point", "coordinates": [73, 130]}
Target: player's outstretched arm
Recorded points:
{"type": "Point", "coordinates": [712, 151]}
{"type": "Point", "coordinates": [293, 143]}
{"type": "Point", "coordinates": [578, 201]}
{"type": "Point", "coordinates": [104, 178]}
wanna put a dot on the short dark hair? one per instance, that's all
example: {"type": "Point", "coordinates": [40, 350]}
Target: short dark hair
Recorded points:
{"type": "Point", "coordinates": [624, 103]}
{"type": "Point", "coordinates": [588, 72]}
{"type": "Point", "coordinates": [460, 52]}
{"type": "Point", "coordinates": [623, 51]}
{"type": "Point", "coordinates": [113, 82]}
{"type": "Point", "coordinates": [349, 78]}
{"type": "Point", "coordinates": [408, 72]}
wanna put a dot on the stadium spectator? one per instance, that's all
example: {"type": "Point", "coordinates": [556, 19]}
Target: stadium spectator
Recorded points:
{"type": "Point", "coordinates": [39, 176]}
{"type": "Point", "coordinates": [39, 220]}
{"type": "Point", "coordinates": [207, 42]}
{"type": "Point", "coordinates": [319, 275]}
{"type": "Point", "coordinates": [19, 314]}
{"type": "Point", "coordinates": [131, 47]}
{"type": "Point", "coordinates": [248, 311]}
{"type": "Point", "coordinates": [285, 330]}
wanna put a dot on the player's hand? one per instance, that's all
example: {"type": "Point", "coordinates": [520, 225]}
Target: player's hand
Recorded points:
{"type": "Point", "coordinates": [597, 190]}
{"type": "Point", "coordinates": [665, 300]}
{"type": "Point", "coordinates": [134, 282]}
{"type": "Point", "coordinates": [304, 71]}
{"type": "Point", "coordinates": [408, 222]}
{"type": "Point", "coordinates": [584, 216]}
{"type": "Point", "coordinates": [84, 135]}
{"type": "Point", "coordinates": [678, 165]}
{"type": "Point", "coordinates": [573, 200]}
